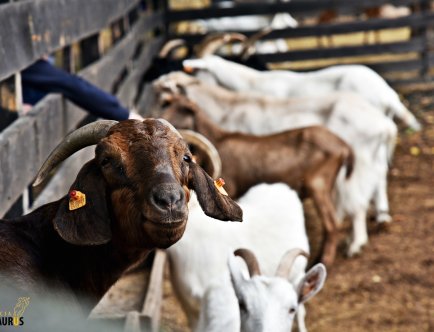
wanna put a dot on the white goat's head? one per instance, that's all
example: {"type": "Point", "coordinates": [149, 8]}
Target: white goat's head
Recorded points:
{"type": "Point", "coordinates": [270, 303]}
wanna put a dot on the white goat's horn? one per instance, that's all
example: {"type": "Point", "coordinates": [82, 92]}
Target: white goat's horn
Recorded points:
{"type": "Point", "coordinates": [252, 263]}
{"type": "Point", "coordinates": [170, 46]}
{"type": "Point", "coordinates": [205, 145]}
{"type": "Point", "coordinates": [287, 261]}
{"type": "Point", "coordinates": [249, 45]}
{"type": "Point", "coordinates": [80, 138]}
{"type": "Point", "coordinates": [213, 42]}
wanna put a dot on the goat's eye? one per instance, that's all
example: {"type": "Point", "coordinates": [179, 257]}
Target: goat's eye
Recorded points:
{"type": "Point", "coordinates": [120, 170]}
{"type": "Point", "coordinates": [187, 158]}
{"type": "Point", "coordinates": [105, 161]}
{"type": "Point", "coordinates": [292, 311]}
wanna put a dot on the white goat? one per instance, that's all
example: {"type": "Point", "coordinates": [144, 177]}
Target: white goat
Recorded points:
{"type": "Point", "coordinates": [371, 135]}
{"type": "Point", "coordinates": [255, 302]}
{"type": "Point", "coordinates": [353, 78]}
{"type": "Point", "coordinates": [273, 223]}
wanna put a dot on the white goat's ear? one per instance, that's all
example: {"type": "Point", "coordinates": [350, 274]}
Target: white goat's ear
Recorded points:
{"type": "Point", "coordinates": [191, 65]}
{"type": "Point", "coordinates": [237, 275]}
{"type": "Point", "coordinates": [312, 283]}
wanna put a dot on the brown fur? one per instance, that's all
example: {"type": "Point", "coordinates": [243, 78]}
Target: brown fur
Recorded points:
{"type": "Point", "coordinates": [87, 249]}
{"type": "Point", "coordinates": [307, 159]}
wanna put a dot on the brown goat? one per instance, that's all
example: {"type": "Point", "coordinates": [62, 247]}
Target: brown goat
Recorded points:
{"type": "Point", "coordinates": [137, 189]}
{"type": "Point", "coordinates": [307, 159]}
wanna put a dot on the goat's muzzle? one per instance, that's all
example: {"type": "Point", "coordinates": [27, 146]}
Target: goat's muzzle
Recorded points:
{"type": "Point", "coordinates": [166, 217]}
{"type": "Point", "coordinates": [168, 198]}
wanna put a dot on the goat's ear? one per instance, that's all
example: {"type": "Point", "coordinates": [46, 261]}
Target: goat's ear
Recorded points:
{"type": "Point", "coordinates": [89, 224]}
{"type": "Point", "coordinates": [312, 283]}
{"type": "Point", "coordinates": [236, 273]}
{"type": "Point", "coordinates": [212, 202]}
{"type": "Point", "coordinates": [191, 65]}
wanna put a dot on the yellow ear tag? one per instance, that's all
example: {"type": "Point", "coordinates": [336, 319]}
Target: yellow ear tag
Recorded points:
{"type": "Point", "coordinates": [76, 200]}
{"type": "Point", "coordinates": [219, 183]}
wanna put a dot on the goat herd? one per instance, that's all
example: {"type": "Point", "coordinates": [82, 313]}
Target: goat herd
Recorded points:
{"type": "Point", "coordinates": [275, 137]}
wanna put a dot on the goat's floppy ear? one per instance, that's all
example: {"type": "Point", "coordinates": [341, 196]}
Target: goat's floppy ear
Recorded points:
{"type": "Point", "coordinates": [312, 283]}
{"type": "Point", "coordinates": [212, 202]}
{"type": "Point", "coordinates": [89, 224]}
{"type": "Point", "coordinates": [236, 274]}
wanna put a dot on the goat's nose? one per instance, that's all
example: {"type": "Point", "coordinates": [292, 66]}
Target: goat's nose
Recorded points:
{"type": "Point", "coordinates": [168, 197]}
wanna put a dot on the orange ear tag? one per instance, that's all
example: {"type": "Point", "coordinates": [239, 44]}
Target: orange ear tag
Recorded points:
{"type": "Point", "coordinates": [76, 200]}
{"type": "Point", "coordinates": [219, 183]}
{"type": "Point", "coordinates": [188, 70]}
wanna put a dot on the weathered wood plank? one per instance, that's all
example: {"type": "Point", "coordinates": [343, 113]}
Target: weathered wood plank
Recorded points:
{"type": "Point", "coordinates": [132, 322]}
{"type": "Point", "coordinates": [146, 101]}
{"type": "Point", "coordinates": [415, 45]}
{"type": "Point", "coordinates": [128, 91]}
{"type": "Point", "coordinates": [48, 125]}
{"type": "Point", "coordinates": [59, 185]}
{"type": "Point", "coordinates": [120, 55]}
{"type": "Point", "coordinates": [17, 165]}
{"type": "Point", "coordinates": [293, 7]}
{"type": "Point", "coordinates": [154, 294]}
{"type": "Point", "coordinates": [33, 28]}
{"type": "Point", "coordinates": [415, 20]}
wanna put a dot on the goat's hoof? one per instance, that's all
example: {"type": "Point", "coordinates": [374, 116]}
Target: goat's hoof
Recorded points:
{"type": "Point", "coordinates": [355, 249]}
{"type": "Point", "coordinates": [383, 217]}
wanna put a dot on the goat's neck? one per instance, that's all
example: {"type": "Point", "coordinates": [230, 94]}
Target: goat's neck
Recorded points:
{"type": "Point", "coordinates": [88, 270]}
{"type": "Point", "coordinates": [206, 127]}
{"type": "Point", "coordinates": [236, 77]}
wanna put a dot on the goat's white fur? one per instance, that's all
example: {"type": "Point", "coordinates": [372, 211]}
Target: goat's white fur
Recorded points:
{"type": "Point", "coordinates": [273, 223]}
{"type": "Point", "coordinates": [371, 135]}
{"type": "Point", "coordinates": [271, 302]}
{"type": "Point", "coordinates": [353, 78]}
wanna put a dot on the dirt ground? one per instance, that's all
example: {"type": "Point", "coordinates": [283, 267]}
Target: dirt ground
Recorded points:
{"type": "Point", "coordinates": [390, 286]}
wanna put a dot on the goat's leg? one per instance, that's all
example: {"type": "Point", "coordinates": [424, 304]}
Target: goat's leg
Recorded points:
{"type": "Point", "coordinates": [381, 202]}
{"type": "Point", "coordinates": [324, 206]}
{"type": "Point", "coordinates": [360, 233]}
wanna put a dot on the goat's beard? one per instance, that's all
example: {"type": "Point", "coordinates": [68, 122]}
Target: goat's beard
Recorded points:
{"type": "Point", "coordinates": [164, 238]}
{"type": "Point", "coordinates": [164, 231]}
{"type": "Point", "coordinates": [147, 229]}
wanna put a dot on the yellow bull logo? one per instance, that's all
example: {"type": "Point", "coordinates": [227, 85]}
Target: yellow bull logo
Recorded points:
{"type": "Point", "coordinates": [20, 307]}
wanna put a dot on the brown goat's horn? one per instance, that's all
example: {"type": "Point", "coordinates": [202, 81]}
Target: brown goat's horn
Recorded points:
{"type": "Point", "coordinates": [213, 42]}
{"type": "Point", "coordinates": [287, 261]}
{"type": "Point", "coordinates": [205, 145]}
{"type": "Point", "coordinates": [170, 46]}
{"type": "Point", "coordinates": [249, 45]}
{"type": "Point", "coordinates": [251, 261]}
{"type": "Point", "coordinates": [73, 142]}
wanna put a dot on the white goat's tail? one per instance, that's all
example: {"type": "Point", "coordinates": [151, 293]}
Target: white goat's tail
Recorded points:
{"type": "Point", "coordinates": [397, 108]}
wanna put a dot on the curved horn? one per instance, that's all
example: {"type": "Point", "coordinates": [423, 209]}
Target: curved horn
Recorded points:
{"type": "Point", "coordinates": [205, 145]}
{"type": "Point", "coordinates": [170, 46]}
{"type": "Point", "coordinates": [252, 263]}
{"type": "Point", "coordinates": [249, 45]}
{"type": "Point", "coordinates": [80, 138]}
{"type": "Point", "coordinates": [287, 261]}
{"type": "Point", "coordinates": [213, 42]}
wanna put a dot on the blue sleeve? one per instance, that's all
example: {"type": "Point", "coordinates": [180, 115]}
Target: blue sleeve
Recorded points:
{"type": "Point", "coordinates": [44, 77]}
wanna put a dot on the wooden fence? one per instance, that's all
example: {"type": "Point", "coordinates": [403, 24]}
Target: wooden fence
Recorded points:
{"type": "Point", "coordinates": [112, 43]}
{"type": "Point", "coordinates": [420, 43]}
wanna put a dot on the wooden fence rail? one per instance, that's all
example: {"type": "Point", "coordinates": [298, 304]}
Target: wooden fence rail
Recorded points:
{"type": "Point", "coordinates": [30, 29]}
{"type": "Point", "coordinates": [417, 52]}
